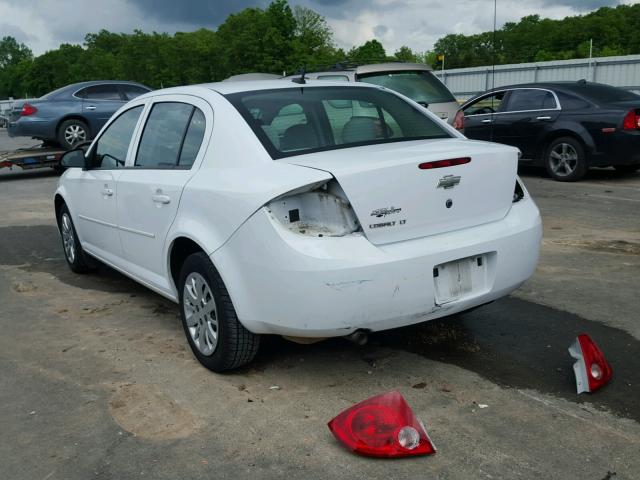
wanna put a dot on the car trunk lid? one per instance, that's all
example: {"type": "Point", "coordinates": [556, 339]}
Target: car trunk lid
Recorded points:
{"type": "Point", "coordinates": [396, 200]}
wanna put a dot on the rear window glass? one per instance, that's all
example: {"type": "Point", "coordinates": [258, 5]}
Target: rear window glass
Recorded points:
{"type": "Point", "coordinates": [420, 86]}
{"type": "Point", "coordinates": [605, 93]}
{"type": "Point", "coordinates": [304, 120]}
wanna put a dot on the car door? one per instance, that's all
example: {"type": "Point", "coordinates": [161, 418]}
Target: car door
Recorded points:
{"type": "Point", "coordinates": [526, 114]}
{"type": "Point", "coordinates": [99, 103]}
{"type": "Point", "coordinates": [93, 191]}
{"type": "Point", "coordinates": [479, 116]}
{"type": "Point", "coordinates": [168, 153]}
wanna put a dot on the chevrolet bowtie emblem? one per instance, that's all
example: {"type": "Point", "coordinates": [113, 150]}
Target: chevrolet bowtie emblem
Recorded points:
{"type": "Point", "coordinates": [449, 181]}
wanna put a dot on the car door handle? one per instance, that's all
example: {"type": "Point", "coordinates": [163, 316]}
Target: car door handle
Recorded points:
{"type": "Point", "coordinates": [90, 107]}
{"type": "Point", "coordinates": [107, 192]}
{"type": "Point", "coordinates": [159, 198]}
{"type": "Point", "coordinates": [543, 118]}
{"type": "Point", "coordinates": [488, 120]}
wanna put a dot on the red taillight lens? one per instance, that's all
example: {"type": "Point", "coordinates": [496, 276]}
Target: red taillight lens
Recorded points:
{"type": "Point", "coordinates": [458, 122]}
{"type": "Point", "coordinates": [631, 121]}
{"type": "Point", "coordinates": [592, 369]}
{"type": "Point", "coordinates": [382, 426]}
{"type": "Point", "coordinates": [444, 163]}
{"type": "Point", "coordinates": [28, 109]}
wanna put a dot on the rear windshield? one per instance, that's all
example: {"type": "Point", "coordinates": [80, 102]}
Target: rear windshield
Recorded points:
{"type": "Point", "coordinates": [606, 93]}
{"type": "Point", "coordinates": [302, 120]}
{"type": "Point", "coordinates": [420, 86]}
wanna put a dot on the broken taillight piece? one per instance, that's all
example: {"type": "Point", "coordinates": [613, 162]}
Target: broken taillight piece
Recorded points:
{"type": "Point", "coordinates": [382, 426]}
{"type": "Point", "coordinates": [591, 369]}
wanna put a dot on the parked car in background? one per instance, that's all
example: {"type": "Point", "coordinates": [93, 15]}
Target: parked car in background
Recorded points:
{"type": "Point", "coordinates": [4, 120]}
{"type": "Point", "coordinates": [413, 80]}
{"type": "Point", "coordinates": [307, 210]}
{"type": "Point", "coordinates": [566, 127]}
{"type": "Point", "coordinates": [72, 114]}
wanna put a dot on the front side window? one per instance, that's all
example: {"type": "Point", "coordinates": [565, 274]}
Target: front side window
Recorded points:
{"type": "Point", "coordinates": [420, 86]}
{"type": "Point", "coordinates": [170, 125]}
{"type": "Point", "coordinates": [294, 121]}
{"type": "Point", "coordinates": [530, 99]}
{"type": "Point", "coordinates": [485, 105]}
{"type": "Point", "coordinates": [111, 148]}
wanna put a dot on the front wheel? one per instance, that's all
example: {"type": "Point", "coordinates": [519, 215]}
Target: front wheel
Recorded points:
{"type": "Point", "coordinates": [565, 160]}
{"type": "Point", "coordinates": [216, 336]}
{"type": "Point", "coordinates": [77, 259]}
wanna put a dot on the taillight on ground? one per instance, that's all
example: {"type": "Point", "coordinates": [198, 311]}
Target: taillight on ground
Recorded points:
{"type": "Point", "coordinates": [382, 426]}
{"type": "Point", "coordinates": [591, 369]}
{"type": "Point", "coordinates": [458, 121]}
{"type": "Point", "coordinates": [28, 109]}
{"type": "Point", "coordinates": [631, 121]}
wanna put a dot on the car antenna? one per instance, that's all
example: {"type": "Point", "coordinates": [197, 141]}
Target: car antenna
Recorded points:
{"type": "Point", "coordinates": [300, 80]}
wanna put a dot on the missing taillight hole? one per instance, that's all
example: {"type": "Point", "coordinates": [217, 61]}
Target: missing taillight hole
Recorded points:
{"type": "Point", "coordinates": [317, 211]}
{"type": "Point", "coordinates": [294, 215]}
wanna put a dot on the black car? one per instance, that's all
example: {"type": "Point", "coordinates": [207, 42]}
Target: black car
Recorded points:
{"type": "Point", "coordinates": [566, 127]}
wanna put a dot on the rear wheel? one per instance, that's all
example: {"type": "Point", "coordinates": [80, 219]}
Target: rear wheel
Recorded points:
{"type": "Point", "coordinates": [72, 132]}
{"type": "Point", "coordinates": [565, 160]}
{"type": "Point", "coordinates": [216, 337]}
{"type": "Point", "coordinates": [627, 168]}
{"type": "Point", "coordinates": [78, 260]}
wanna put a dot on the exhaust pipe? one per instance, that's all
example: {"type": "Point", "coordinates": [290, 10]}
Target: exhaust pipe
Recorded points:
{"type": "Point", "coordinates": [359, 337]}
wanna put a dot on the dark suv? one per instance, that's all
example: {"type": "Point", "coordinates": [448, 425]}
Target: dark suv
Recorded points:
{"type": "Point", "coordinates": [566, 127]}
{"type": "Point", "coordinates": [71, 114]}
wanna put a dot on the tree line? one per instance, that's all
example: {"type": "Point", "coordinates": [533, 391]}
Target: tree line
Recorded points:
{"type": "Point", "coordinates": [281, 39]}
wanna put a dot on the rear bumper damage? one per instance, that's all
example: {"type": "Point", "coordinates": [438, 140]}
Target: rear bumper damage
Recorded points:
{"type": "Point", "coordinates": [290, 284]}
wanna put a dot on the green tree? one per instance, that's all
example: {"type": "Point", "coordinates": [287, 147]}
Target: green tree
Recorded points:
{"type": "Point", "coordinates": [371, 51]}
{"type": "Point", "coordinates": [12, 52]}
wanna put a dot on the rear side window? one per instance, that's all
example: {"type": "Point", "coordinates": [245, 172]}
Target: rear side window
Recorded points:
{"type": "Point", "coordinates": [294, 121]}
{"type": "Point", "coordinates": [166, 132]}
{"type": "Point", "coordinates": [571, 102]}
{"type": "Point", "coordinates": [420, 86]}
{"type": "Point", "coordinates": [530, 99]}
{"type": "Point", "coordinates": [112, 146]}
{"type": "Point", "coordinates": [193, 139]}
{"type": "Point", "coordinates": [100, 92]}
{"type": "Point", "coordinates": [132, 91]}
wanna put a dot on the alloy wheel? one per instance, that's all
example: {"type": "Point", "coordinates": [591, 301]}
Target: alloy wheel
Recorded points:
{"type": "Point", "coordinates": [75, 134]}
{"type": "Point", "coordinates": [200, 313]}
{"type": "Point", "coordinates": [563, 159]}
{"type": "Point", "coordinates": [68, 238]}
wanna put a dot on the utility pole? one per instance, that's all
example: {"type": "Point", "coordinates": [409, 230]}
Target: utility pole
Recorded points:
{"type": "Point", "coordinates": [590, 58]}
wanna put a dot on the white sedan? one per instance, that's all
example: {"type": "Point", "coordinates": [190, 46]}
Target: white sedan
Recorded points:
{"type": "Point", "coordinates": [308, 210]}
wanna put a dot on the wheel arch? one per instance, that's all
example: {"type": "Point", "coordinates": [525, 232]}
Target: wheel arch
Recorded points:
{"type": "Point", "coordinates": [581, 135]}
{"type": "Point", "coordinates": [179, 249]}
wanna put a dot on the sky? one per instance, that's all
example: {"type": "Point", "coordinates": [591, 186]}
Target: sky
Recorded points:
{"type": "Point", "coordinates": [45, 24]}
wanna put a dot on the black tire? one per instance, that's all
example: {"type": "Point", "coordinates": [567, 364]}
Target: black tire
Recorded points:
{"type": "Point", "coordinates": [72, 132]}
{"type": "Point", "coordinates": [78, 261]}
{"type": "Point", "coordinates": [565, 160]}
{"type": "Point", "coordinates": [234, 345]}
{"type": "Point", "coordinates": [627, 168]}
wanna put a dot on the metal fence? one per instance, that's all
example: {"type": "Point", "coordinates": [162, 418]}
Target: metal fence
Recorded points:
{"type": "Point", "coordinates": [621, 72]}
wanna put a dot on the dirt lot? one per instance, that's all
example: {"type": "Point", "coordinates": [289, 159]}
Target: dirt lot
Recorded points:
{"type": "Point", "coordinates": [96, 379]}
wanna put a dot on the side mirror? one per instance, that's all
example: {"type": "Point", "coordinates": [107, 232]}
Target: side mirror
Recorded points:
{"type": "Point", "coordinates": [74, 159]}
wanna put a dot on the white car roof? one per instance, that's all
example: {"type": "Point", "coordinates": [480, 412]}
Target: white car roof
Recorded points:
{"type": "Point", "coordinates": [225, 88]}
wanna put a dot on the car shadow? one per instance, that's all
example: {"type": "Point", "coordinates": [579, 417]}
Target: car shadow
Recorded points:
{"type": "Point", "coordinates": [608, 174]}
